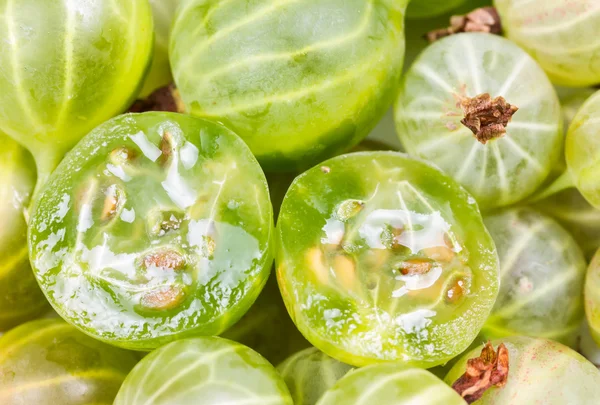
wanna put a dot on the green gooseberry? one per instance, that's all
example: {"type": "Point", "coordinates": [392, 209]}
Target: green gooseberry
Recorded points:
{"type": "Point", "coordinates": [562, 36]}
{"type": "Point", "coordinates": [443, 115]}
{"type": "Point", "coordinates": [267, 327]}
{"type": "Point", "coordinates": [390, 384]}
{"type": "Point", "coordinates": [310, 373]}
{"type": "Point", "coordinates": [540, 372]}
{"type": "Point", "coordinates": [204, 370]}
{"type": "Point", "coordinates": [298, 80]}
{"type": "Point", "coordinates": [588, 346]}
{"type": "Point", "coordinates": [49, 362]}
{"type": "Point", "coordinates": [159, 74]}
{"type": "Point", "coordinates": [592, 297]}
{"type": "Point", "coordinates": [67, 67]}
{"type": "Point", "coordinates": [143, 234]}
{"type": "Point", "coordinates": [20, 296]}
{"type": "Point", "coordinates": [571, 100]}
{"type": "Point", "coordinates": [542, 272]}
{"type": "Point", "coordinates": [382, 257]}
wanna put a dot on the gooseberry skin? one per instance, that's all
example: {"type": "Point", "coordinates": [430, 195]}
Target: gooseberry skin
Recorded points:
{"type": "Point", "coordinates": [428, 114]}
{"type": "Point", "coordinates": [582, 148]}
{"type": "Point", "coordinates": [143, 234]}
{"type": "Point", "coordinates": [592, 297]}
{"type": "Point", "coordinates": [561, 36]}
{"type": "Point", "coordinates": [159, 75]}
{"type": "Point", "coordinates": [67, 67]}
{"type": "Point", "coordinates": [540, 372]}
{"type": "Point", "coordinates": [207, 371]}
{"type": "Point", "coordinates": [298, 80]}
{"type": "Point", "coordinates": [364, 309]}
{"type": "Point", "coordinates": [542, 272]}
{"type": "Point", "coordinates": [390, 384]}
{"type": "Point", "coordinates": [49, 362]}
{"type": "Point", "coordinates": [20, 296]}
{"type": "Point", "coordinates": [310, 373]}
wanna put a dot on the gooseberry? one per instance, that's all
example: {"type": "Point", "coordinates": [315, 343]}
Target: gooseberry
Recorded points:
{"type": "Point", "coordinates": [67, 67]}
{"type": "Point", "coordinates": [382, 257]}
{"type": "Point", "coordinates": [542, 272]}
{"type": "Point", "coordinates": [207, 371]}
{"type": "Point", "coordinates": [298, 80]}
{"type": "Point", "coordinates": [49, 362]}
{"type": "Point", "coordinates": [455, 108]}
{"type": "Point", "coordinates": [155, 227]}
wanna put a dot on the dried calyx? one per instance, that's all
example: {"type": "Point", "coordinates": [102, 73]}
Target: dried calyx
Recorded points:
{"type": "Point", "coordinates": [163, 99]}
{"type": "Point", "coordinates": [487, 118]}
{"type": "Point", "coordinates": [485, 19]}
{"type": "Point", "coordinates": [488, 370]}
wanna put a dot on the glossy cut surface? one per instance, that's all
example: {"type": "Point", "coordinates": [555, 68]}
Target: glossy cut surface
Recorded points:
{"type": "Point", "coordinates": [157, 226]}
{"type": "Point", "coordinates": [542, 271]}
{"type": "Point", "coordinates": [390, 384]}
{"type": "Point", "coordinates": [564, 37]}
{"type": "Point", "coordinates": [298, 80]}
{"type": "Point", "coordinates": [310, 373]}
{"type": "Point", "coordinates": [204, 371]}
{"type": "Point", "coordinates": [67, 67]}
{"type": "Point", "coordinates": [49, 362]}
{"type": "Point", "coordinates": [428, 115]}
{"type": "Point", "coordinates": [382, 257]}
{"type": "Point", "coordinates": [540, 372]}
{"type": "Point", "coordinates": [20, 297]}
{"type": "Point", "coordinates": [583, 149]}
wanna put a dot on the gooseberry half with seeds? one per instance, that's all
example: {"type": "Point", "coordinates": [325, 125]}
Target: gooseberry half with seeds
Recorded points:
{"type": "Point", "coordinates": [542, 271]}
{"type": "Point", "coordinates": [155, 227]}
{"type": "Point", "coordinates": [540, 371]}
{"type": "Point", "coordinates": [49, 362]}
{"type": "Point", "coordinates": [563, 36]}
{"type": "Point", "coordinates": [207, 371]}
{"type": "Point", "coordinates": [482, 110]}
{"type": "Point", "coordinates": [298, 80]}
{"type": "Point", "coordinates": [382, 257]}
{"type": "Point", "coordinates": [310, 373]}
{"type": "Point", "coordinates": [390, 384]}
{"type": "Point", "coordinates": [20, 296]}
{"type": "Point", "coordinates": [67, 67]}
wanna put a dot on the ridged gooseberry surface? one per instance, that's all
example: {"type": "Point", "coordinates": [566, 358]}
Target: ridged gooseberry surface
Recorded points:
{"type": "Point", "coordinates": [156, 226]}
{"type": "Point", "coordinates": [540, 372]}
{"type": "Point", "coordinates": [207, 371]}
{"type": "Point", "coordinates": [298, 80]}
{"type": "Point", "coordinates": [390, 384]}
{"type": "Point", "coordinates": [49, 362]}
{"type": "Point", "coordinates": [382, 257]}
{"type": "Point", "coordinates": [431, 105]}
{"type": "Point", "coordinates": [583, 150]}
{"type": "Point", "coordinates": [542, 271]}
{"type": "Point", "coordinates": [563, 36]}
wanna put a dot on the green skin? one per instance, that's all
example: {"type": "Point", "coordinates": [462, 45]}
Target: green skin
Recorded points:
{"type": "Point", "coordinates": [428, 115]}
{"type": "Point", "coordinates": [310, 373]}
{"type": "Point", "coordinates": [564, 37]}
{"type": "Point", "coordinates": [267, 327]}
{"type": "Point", "coordinates": [431, 8]}
{"type": "Point", "coordinates": [159, 74]}
{"type": "Point", "coordinates": [540, 372]}
{"type": "Point", "coordinates": [390, 384]}
{"type": "Point", "coordinates": [340, 267]}
{"type": "Point", "coordinates": [68, 67]}
{"type": "Point", "coordinates": [20, 297]}
{"type": "Point", "coordinates": [583, 148]}
{"type": "Point", "coordinates": [592, 297]}
{"type": "Point", "coordinates": [298, 80]}
{"type": "Point", "coordinates": [542, 272]}
{"type": "Point", "coordinates": [49, 362]}
{"type": "Point", "coordinates": [143, 235]}
{"type": "Point", "coordinates": [207, 371]}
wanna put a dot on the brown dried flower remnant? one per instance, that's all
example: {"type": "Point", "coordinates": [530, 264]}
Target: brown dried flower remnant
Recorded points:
{"type": "Point", "coordinates": [163, 99]}
{"type": "Point", "coordinates": [485, 19]}
{"type": "Point", "coordinates": [487, 118]}
{"type": "Point", "coordinates": [488, 370]}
